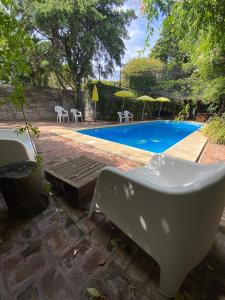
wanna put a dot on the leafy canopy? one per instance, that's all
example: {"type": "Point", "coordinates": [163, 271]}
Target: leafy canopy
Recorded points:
{"type": "Point", "coordinates": [192, 40]}
{"type": "Point", "coordinates": [141, 73]}
{"type": "Point", "coordinates": [14, 44]}
{"type": "Point", "coordinates": [80, 33]}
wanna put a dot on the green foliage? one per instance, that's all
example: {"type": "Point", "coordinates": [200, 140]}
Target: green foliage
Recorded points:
{"type": "Point", "coordinates": [29, 127]}
{"type": "Point", "coordinates": [192, 42]}
{"type": "Point", "coordinates": [153, 8]}
{"type": "Point", "coordinates": [47, 188]}
{"type": "Point", "coordinates": [31, 130]}
{"type": "Point", "coordinates": [14, 43]}
{"type": "Point", "coordinates": [17, 97]}
{"type": "Point", "coordinates": [209, 90]}
{"type": "Point", "coordinates": [184, 113]}
{"type": "Point", "coordinates": [168, 51]}
{"type": "Point", "coordinates": [93, 293]}
{"type": "Point", "coordinates": [177, 90]}
{"type": "Point", "coordinates": [109, 105]}
{"type": "Point", "coordinates": [114, 243]}
{"type": "Point", "coordinates": [141, 73]}
{"type": "Point", "coordinates": [39, 61]}
{"type": "Point", "coordinates": [215, 130]}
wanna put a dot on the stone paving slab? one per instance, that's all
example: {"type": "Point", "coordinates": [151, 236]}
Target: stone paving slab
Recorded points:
{"type": "Point", "coordinates": [189, 148]}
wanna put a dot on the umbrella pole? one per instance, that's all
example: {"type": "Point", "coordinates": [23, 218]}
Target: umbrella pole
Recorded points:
{"type": "Point", "coordinates": [160, 109]}
{"type": "Point", "coordinates": [95, 111]}
{"type": "Point", "coordinates": [123, 105]}
{"type": "Point", "coordinates": [143, 112]}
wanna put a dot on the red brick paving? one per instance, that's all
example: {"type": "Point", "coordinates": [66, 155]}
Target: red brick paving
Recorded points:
{"type": "Point", "coordinates": [212, 153]}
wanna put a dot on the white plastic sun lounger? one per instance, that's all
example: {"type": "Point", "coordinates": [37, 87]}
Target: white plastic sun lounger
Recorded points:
{"type": "Point", "coordinates": [171, 208]}
{"type": "Point", "coordinates": [15, 147]}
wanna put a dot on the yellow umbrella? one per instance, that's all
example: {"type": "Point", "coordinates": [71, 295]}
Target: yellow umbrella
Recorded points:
{"type": "Point", "coordinates": [145, 98]}
{"type": "Point", "coordinates": [125, 95]}
{"type": "Point", "coordinates": [95, 97]}
{"type": "Point", "coordinates": [162, 100]}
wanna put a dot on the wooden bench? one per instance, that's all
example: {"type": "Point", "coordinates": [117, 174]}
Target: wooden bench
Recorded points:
{"type": "Point", "coordinates": [76, 179]}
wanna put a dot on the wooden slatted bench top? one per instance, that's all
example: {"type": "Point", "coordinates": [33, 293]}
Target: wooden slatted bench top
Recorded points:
{"type": "Point", "coordinates": [76, 178]}
{"type": "Point", "coordinates": [78, 171]}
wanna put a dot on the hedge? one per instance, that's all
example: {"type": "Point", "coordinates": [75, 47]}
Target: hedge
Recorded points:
{"type": "Point", "coordinates": [108, 104]}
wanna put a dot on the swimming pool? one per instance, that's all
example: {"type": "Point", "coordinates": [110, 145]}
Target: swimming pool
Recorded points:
{"type": "Point", "coordinates": [154, 136]}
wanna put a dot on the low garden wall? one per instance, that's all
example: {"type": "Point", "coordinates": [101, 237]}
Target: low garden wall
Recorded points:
{"type": "Point", "coordinates": [40, 103]}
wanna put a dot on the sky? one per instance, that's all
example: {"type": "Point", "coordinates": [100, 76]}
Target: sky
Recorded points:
{"type": "Point", "coordinates": [137, 34]}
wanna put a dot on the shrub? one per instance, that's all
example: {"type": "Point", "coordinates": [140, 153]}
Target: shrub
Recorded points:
{"type": "Point", "coordinates": [184, 113]}
{"type": "Point", "coordinates": [215, 130]}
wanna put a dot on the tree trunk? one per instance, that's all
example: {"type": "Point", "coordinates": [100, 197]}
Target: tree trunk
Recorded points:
{"type": "Point", "coordinates": [79, 99]}
{"type": "Point", "coordinates": [22, 188]}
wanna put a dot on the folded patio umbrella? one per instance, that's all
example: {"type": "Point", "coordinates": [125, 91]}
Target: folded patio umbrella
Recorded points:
{"type": "Point", "coordinates": [145, 98]}
{"type": "Point", "coordinates": [95, 97]}
{"type": "Point", "coordinates": [125, 95]}
{"type": "Point", "coordinates": [162, 100]}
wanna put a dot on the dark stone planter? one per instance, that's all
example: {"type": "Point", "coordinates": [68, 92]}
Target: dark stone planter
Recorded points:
{"type": "Point", "coordinates": [22, 188]}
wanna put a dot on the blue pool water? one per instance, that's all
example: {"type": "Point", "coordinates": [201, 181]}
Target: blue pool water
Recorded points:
{"type": "Point", "coordinates": [156, 136]}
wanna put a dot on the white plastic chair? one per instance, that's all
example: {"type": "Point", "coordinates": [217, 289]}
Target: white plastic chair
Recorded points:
{"type": "Point", "coordinates": [128, 116]}
{"type": "Point", "coordinates": [171, 208]}
{"type": "Point", "coordinates": [120, 116]}
{"type": "Point", "coordinates": [61, 114]}
{"type": "Point", "coordinates": [76, 115]}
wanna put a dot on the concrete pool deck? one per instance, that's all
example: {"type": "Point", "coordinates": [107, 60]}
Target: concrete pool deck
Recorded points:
{"type": "Point", "coordinates": [188, 148]}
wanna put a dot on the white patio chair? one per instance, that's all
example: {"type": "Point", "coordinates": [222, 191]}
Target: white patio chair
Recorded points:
{"type": "Point", "coordinates": [171, 208]}
{"type": "Point", "coordinates": [120, 116]}
{"type": "Point", "coordinates": [76, 115]}
{"type": "Point", "coordinates": [128, 116]}
{"type": "Point", "coordinates": [61, 114]}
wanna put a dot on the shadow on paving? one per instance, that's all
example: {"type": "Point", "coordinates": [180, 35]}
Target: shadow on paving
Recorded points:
{"type": "Point", "coordinates": [60, 253]}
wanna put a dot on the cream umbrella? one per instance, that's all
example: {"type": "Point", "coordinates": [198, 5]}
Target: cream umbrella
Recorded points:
{"type": "Point", "coordinates": [162, 100]}
{"type": "Point", "coordinates": [145, 98]}
{"type": "Point", "coordinates": [125, 95]}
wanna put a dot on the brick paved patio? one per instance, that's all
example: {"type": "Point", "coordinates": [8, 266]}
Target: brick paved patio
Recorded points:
{"type": "Point", "coordinates": [60, 253]}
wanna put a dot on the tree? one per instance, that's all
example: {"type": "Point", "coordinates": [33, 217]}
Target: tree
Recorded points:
{"type": "Point", "coordinates": [39, 58]}
{"type": "Point", "coordinates": [141, 73]}
{"type": "Point", "coordinates": [14, 44]}
{"type": "Point", "coordinates": [196, 30]}
{"type": "Point", "coordinates": [168, 51]}
{"type": "Point", "coordinates": [80, 32]}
